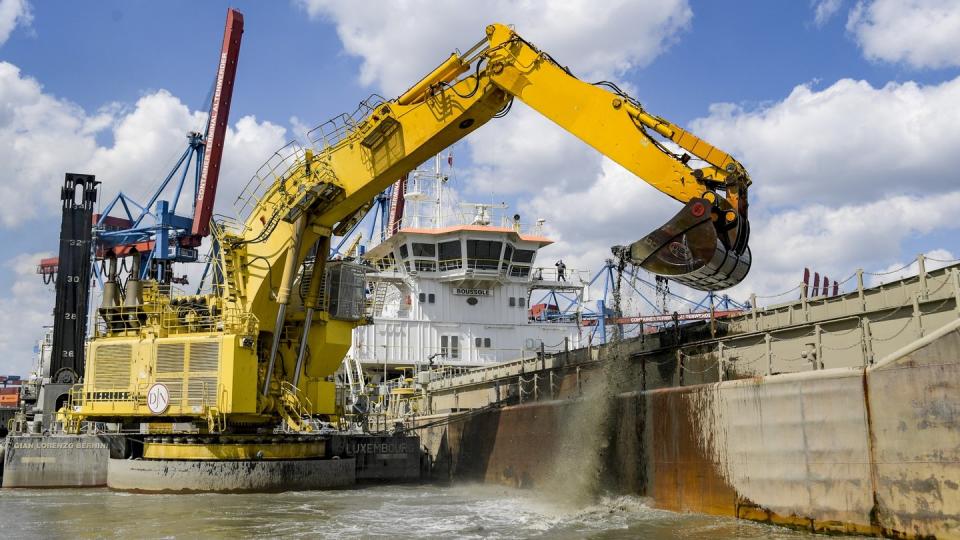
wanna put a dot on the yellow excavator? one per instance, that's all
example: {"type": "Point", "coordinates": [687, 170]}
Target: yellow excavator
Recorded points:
{"type": "Point", "coordinates": [261, 348]}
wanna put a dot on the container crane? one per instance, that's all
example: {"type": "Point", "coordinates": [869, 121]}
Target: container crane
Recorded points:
{"type": "Point", "coordinates": [154, 232]}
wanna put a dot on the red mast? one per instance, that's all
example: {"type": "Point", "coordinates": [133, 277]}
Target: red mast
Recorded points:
{"type": "Point", "coordinates": [217, 127]}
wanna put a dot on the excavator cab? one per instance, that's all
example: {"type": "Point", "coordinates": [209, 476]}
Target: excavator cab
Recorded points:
{"type": "Point", "coordinates": [704, 246]}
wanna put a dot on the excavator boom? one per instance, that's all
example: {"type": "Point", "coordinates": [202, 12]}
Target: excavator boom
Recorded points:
{"type": "Point", "coordinates": [704, 246]}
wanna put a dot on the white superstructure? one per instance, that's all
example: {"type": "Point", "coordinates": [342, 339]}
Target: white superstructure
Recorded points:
{"type": "Point", "coordinates": [452, 289]}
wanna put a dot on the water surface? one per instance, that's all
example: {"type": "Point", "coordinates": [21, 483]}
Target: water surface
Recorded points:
{"type": "Point", "coordinates": [422, 511]}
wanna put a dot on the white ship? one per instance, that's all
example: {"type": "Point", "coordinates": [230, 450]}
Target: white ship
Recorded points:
{"type": "Point", "coordinates": [451, 286]}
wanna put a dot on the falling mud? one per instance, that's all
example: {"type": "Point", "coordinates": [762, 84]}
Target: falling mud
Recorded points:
{"type": "Point", "coordinates": [579, 474]}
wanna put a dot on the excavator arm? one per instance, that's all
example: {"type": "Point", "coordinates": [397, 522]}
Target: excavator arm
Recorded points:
{"type": "Point", "coordinates": [326, 190]}
{"type": "Point", "coordinates": [358, 160]}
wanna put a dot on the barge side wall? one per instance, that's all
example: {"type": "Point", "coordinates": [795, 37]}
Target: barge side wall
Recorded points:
{"type": "Point", "coordinates": [869, 451]}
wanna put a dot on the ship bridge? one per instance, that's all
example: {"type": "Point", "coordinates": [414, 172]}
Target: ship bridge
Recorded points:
{"type": "Point", "coordinates": [467, 256]}
{"type": "Point", "coordinates": [460, 295]}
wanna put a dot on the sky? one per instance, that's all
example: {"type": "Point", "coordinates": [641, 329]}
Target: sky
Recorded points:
{"type": "Point", "coordinates": [843, 111]}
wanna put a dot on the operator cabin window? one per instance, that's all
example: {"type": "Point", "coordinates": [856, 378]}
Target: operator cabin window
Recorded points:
{"type": "Point", "coordinates": [483, 254]}
{"type": "Point", "coordinates": [450, 255]}
{"type": "Point", "coordinates": [450, 346]}
{"type": "Point", "coordinates": [522, 259]}
{"type": "Point", "coordinates": [424, 257]}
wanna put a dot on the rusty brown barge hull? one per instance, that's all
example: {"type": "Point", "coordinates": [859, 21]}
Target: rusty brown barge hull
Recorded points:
{"type": "Point", "coordinates": [868, 448]}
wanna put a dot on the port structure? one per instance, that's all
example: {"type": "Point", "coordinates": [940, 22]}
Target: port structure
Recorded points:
{"type": "Point", "coordinates": [154, 231]}
{"type": "Point", "coordinates": [605, 317]}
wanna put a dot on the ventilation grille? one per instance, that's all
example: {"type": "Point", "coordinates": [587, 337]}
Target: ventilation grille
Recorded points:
{"type": "Point", "coordinates": [170, 358]}
{"type": "Point", "coordinates": [202, 391]}
{"type": "Point", "coordinates": [112, 367]}
{"type": "Point", "coordinates": [204, 356]}
{"type": "Point", "coordinates": [174, 387]}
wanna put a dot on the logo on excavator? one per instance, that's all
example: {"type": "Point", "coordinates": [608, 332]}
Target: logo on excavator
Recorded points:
{"type": "Point", "coordinates": [158, 399]}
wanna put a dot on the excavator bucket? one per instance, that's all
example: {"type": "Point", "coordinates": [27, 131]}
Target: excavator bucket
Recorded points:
{"type": "Point", "coordinates": [694, 250]}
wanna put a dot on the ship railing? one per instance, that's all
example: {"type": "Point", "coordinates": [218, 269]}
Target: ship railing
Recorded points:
{"type": "Point", "coordinates": [334, 131]}
{"type": "Point", "coordinates": [924, 273]}
{"type": "Point", "coordinates": [445, 265]}
{"type": "Point", "coordinates": [452, 359]}
{"type": "Point", "coordinates": [552, 274]}
{"type": "Point", "coordinates": [77, 397]}
{"type": "Point", "coordinates": [199, 394]}
{"type": "Point", "coordinates": [175, 315]}
{"type": "Point", "coordinates": [404, 406]}
{"type": "Point", "coordinates": [486, 266]}
{"type": "Point", "coordinates": [276, 168]}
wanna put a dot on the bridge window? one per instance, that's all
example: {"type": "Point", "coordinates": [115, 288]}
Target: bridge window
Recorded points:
{"type": "Point", "coordinates": [523, 256]}
{"type": "Point", "coordinates": [483, 254]}
{"type": "Point", "coordinates": [450, 255]}
{"type": "Point", "coordinates": [424, 250]}
{"type": "Point", "coordinates": [513, 301]}
{"type": "Point", "coordinates": [522, 259]}
{"type": "Point", "coordinates": [403, 251]}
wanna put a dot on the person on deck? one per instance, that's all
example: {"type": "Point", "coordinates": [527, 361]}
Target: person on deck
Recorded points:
{"type": "Point", "coordinates": [561, 271]}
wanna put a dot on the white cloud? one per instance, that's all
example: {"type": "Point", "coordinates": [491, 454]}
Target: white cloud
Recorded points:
{"type": "Point", "coordinates": [847, 142]}
{"type": "Point", "coordinates": [846, 176]}
{"type": "Point", "coordinates": [837, 240]}
{"type": "Point", "coordinates": [935, 259]}
{"type": "Point", "coordinates": [611, 208]}
{"type": "Point", "coordinates": [525, 152]}
{"type": "Point", "coordinates": [824, 10]}
{"type": "Point", "coordinates": [13, 13]}
{"type": "Point", "coordinates": [410, 38]}
{"type": "Point", "coordinates": [25, 307]}
{"type": "Point", "coordinates": [42, 137]}
{"type": "Point", "coordinates": [918, 33]}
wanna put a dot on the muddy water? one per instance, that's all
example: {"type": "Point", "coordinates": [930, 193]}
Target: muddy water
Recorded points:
{"type": "Point", "coordinates": [577, 473]}
{"type": "Point", "coordinates": [424, 511]}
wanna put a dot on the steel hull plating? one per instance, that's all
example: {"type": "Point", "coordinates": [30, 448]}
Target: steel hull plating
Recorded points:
{"type": "Point", "coordinates": [58, 461]}
{"type": "Point", "coordinates": [854, 450]}
{"type": "Point", "coordinates": [165, 476]}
